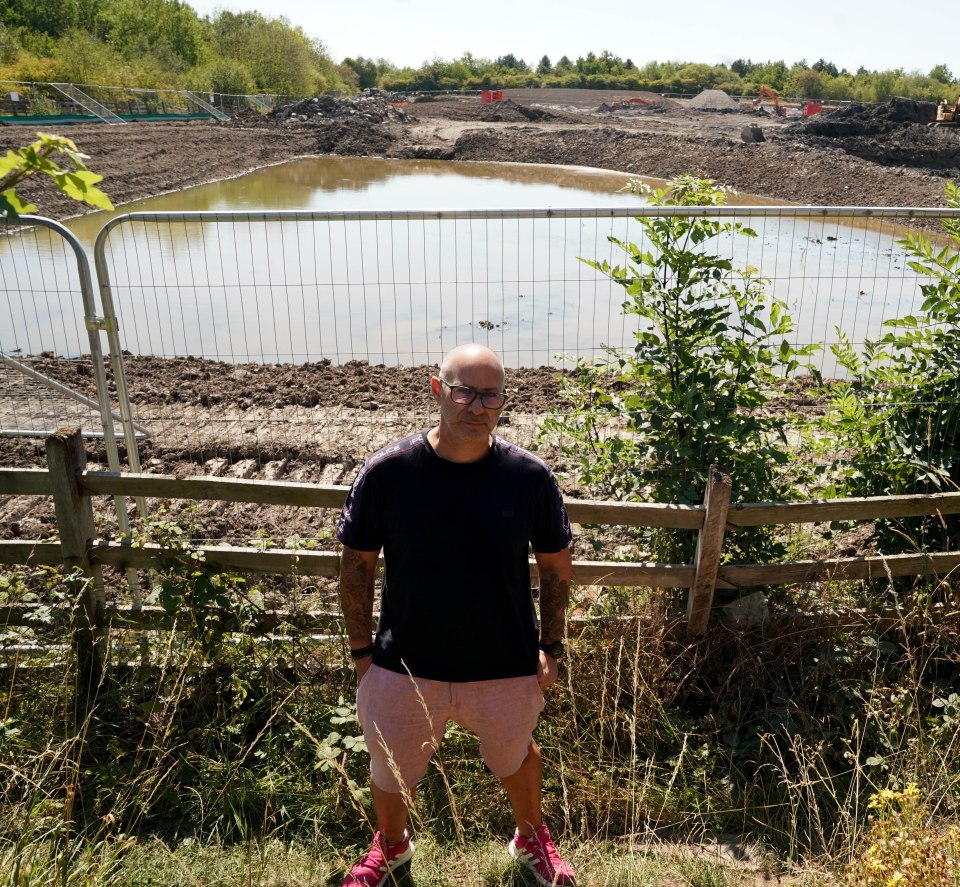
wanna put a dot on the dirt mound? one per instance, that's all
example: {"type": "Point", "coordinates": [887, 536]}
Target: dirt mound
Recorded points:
{"type": "Point", "coordinates": [713, 100]}
{"type": "Point", "coordinates": [369, 107]}
{"type": "Point", "coordinates": [388, 96]}
{"type": "Point", "coordinates": [355, 137]}
{"type": "Point", "coordinates": [857, 119]}
{"type": "Point", "coordinates": [202, 382]}
{"type": "Point", "coordinates": [914, 146]}
{"type": "Point", "coordinates": [540, 114]}
{"type": "Point", "coordinates": [248, 117]}
{"type": "Point", "coordinates": [892, 134]}
{"type": "Point", "coordinates": [653, 99]}
{"type": "Point", "coordinates": [645, 102]}
{"type": "Point", "coordinates": [622, 108]}
{"type": "Point", "coordinates": [505, 111]}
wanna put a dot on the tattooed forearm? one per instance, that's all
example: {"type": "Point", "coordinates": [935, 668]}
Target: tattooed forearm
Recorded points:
{"type": "Point", "coordinates": [554, 597]}
{"type": "Point", "coordinates": [357, 572]}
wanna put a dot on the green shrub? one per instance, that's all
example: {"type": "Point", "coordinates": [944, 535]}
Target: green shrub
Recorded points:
{"type": "Point", "coordinates": [711, 342]}
{"type": "Point", "coordinates": [9, 45]}
{"type": "Point", "coordinates": [895, 422]}
{"type": "Point", "coordinates": [82, 58]}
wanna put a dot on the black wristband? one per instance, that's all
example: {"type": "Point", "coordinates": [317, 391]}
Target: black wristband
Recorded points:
{"type": "Point", "coordinates": [363, 652]}
{"type": "Point", "coordinates": [554, 650]}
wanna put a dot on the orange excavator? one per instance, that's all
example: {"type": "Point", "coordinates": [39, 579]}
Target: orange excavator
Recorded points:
{"type": "Point", "coordinates": [767, 91]}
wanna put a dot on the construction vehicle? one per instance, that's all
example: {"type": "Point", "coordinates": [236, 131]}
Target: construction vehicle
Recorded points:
{"type": "Point", "coordinates": [947, 113]}
{"type": "Point", "coordinates": [758, 102]}
{"type": "Point", "coordinates": [619, 104]}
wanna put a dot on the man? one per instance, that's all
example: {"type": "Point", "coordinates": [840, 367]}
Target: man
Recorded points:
{"type": "Point", "coordinates": [455, 510]}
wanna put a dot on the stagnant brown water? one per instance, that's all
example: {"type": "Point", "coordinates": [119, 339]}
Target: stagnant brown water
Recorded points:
{"type": "Point", "coordinates": [405, 290]}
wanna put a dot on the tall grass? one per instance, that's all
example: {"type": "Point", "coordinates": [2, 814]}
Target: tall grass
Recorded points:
{"type": "Point", "coordinates": [244, 757]}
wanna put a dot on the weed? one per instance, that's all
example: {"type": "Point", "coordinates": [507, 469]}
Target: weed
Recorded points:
{"type": "Point", "coordinates": [905, 848]}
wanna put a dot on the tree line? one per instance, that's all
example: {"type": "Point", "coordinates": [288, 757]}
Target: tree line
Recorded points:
{"type": "Point", "coordinates": [166, 44]}
{"type": "Point", "coordinates": [160, 44]}
{"type": "Point", "coordinates": [819, 80]}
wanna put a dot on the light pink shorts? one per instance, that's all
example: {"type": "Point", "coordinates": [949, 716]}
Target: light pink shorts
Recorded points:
{"type": "Point", "coordinates": [404, 719]}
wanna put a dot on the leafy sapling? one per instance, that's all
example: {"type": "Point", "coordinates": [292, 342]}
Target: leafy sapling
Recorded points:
{"type": "Point", "coordinates": [41, 157]}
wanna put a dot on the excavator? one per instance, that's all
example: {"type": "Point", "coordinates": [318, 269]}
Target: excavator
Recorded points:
{"type": "Point", "coordinates": [947, 114]}
{"type": "Point", "coordinates": [767, 91]}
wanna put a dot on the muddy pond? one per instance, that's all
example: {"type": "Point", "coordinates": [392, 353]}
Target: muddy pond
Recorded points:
{"type": "Point", "coordinates": [397, 261]}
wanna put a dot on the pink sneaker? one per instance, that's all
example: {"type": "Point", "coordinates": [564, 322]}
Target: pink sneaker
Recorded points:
{"type": "Point", "coordinates": [539, 855]}
{"type": "Point", "coordinates": [374, 869]}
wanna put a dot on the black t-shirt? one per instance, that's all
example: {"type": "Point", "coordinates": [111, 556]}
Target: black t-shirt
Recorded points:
{"type": "Point", "coordinates": [455, 599]}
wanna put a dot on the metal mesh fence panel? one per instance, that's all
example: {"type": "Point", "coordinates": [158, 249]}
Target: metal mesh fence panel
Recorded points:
{"type": "Point", "coordinates": [289, 293]}
{"type": "Point", "coordinates": [38, 99]}
{"type": "Point", "coordinates": [46, 369]}
{"type": "Point", "coordinates": [277, 299]}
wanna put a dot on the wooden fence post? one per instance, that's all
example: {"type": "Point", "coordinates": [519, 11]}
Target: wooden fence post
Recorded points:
{"type": "Point", "coordinates": [65, 459]}
{"type": "Point", "coordinates": [709, 550]}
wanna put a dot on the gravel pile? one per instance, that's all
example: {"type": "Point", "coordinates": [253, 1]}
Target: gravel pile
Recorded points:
{"type": "Point", "coordinates": [388, 96]}
{"type": "Point", "coordinates": [713, 100]}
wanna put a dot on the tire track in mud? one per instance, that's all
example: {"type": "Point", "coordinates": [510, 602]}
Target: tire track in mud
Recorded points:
{"type": "Point", "coordinates": [265, 422]}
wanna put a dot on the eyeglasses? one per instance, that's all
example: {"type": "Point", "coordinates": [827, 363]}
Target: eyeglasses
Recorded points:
{"type": "Point", "coordinates": [464, 394]}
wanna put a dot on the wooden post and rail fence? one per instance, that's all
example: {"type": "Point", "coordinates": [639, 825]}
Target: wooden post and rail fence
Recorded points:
{"type": "Point", "coordinates": [72, 486]}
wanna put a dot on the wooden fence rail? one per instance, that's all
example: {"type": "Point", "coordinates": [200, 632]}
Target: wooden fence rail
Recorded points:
{"type": "Point", "coordinates": [71, 486]}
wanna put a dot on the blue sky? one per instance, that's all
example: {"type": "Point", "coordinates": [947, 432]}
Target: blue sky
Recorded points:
{"type": "Point", "coordinates": [850, 33]}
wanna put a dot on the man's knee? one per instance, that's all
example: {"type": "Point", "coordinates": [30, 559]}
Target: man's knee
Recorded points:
{"type": "Point", "coordinates": [533, 760]}
{"type": "Point", "coordinates": [506, 733]}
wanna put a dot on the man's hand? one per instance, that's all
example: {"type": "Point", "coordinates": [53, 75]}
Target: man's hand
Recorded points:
{"type": "Point", "coordinates": [547, 671]}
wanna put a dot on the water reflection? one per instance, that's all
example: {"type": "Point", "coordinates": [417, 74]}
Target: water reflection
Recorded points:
{"type": "Point", "coordinates": [41, 308]}
{"type": "Point", "coordinates": [352, 183]}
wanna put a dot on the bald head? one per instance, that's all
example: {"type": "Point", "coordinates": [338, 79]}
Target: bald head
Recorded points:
{"type": "Point", "coordinates": [471, 358]}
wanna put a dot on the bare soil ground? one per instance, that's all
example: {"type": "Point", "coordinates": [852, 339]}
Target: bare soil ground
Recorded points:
{"type": "Point", "coordinates": [873, 156]}
{"type": "Point", "coordinates": [312, 423]}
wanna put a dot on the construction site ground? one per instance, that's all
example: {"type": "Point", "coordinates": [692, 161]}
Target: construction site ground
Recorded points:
{"type": "Point", "coordinates": [859, 155]}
